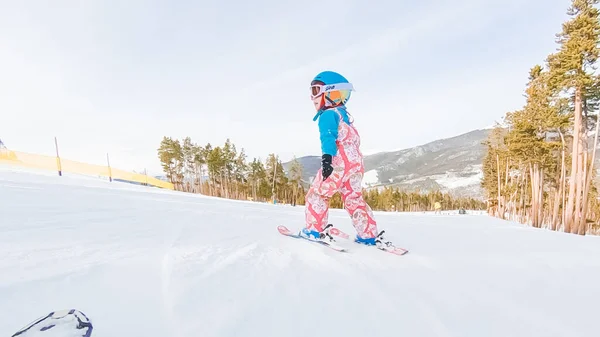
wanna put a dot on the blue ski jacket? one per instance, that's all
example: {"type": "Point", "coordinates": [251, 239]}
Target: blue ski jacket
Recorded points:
{"type": "Point", "coordinates": [328, 128]}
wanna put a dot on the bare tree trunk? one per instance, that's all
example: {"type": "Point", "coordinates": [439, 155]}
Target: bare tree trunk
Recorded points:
{"type": "Point", "coordinates": [506, 173]}
{"type": "Point", "coordinates": [515, 204]}
{"type": "Point", "coordinates": [579, 191]}
{"type": "Point", "coordinates": [499, 198]}
{"type": "Point", "coordinates": [556, 208]}
{"type": "Point", "coordinates": [540, 199]}
{"type": "Point", "coordinates": [200, 180]}
{"type": "Point", "coordinates": [525, 197]}
{"type": "Point", "coordinates": [221, 183]}
{"type": "Point", "coordinates": [574, 167]}
{"type": "Point", "coordinates": [195, 180]}
{"type": "Point", "coordinates": [588, 180]}
{"type": "Point", "coordinates": [536, 193]}
{"type": "Point", "coordinates": [236, 192]}
{"type": "Point", "coordinates": [563, 173]}
{"type": "Point", "coordinates": [580, 215]}
{"type": "Point", "coordinates": [522, 197]}
{"type": "Point", "coordinates": [533, 194]}
{"type": "Point", "coordinates": [226, 185]}
{"type": "Point", "coordinates": [294, 194]}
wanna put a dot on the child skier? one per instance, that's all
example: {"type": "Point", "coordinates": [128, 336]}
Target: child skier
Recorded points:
{"type": "Point", "coordinates": [342, 165]}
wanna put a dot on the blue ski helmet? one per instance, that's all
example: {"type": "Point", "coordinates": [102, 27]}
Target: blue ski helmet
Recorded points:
{"type": "Point", "coordinates": [333, 88]}
{"type": "Point", "coordinates": [330, 77]}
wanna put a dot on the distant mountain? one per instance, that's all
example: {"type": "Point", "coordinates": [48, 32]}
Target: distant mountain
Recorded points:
{"type": "Point", "coordinates": [310, 166]}
{"type": "Point", "coordinates": [449, 165]}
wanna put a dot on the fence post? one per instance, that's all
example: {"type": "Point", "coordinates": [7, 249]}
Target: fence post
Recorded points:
{"type": "Point", "coordinates": [109, 169]}
{"type": "Point", "coordinates": [58, 165]}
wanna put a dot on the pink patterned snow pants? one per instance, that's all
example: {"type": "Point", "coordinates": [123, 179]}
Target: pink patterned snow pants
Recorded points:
{"type": "Point", "coordinates": [348, 170]}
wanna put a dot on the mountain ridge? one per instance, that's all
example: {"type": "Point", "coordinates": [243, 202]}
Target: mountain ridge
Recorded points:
{"type": "Point", "coordinates": [451, 165]}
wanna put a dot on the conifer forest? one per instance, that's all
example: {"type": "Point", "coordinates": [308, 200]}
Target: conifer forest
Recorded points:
{"type": "Point", "coordinates": [540, 165]}
{"type": "Point", "coordinates": [222, 171]}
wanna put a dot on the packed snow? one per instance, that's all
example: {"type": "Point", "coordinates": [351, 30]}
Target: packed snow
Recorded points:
{"type": "Point", "coordinates": [451, 180]}
{"type": "Point", "coordinates": [142, 261]}
{"type": "Point", "coordinates": [370, 178]}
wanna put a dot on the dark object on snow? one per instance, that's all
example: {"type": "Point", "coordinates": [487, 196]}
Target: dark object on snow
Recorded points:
{"type": "Point", "coordinates": [462, 211]}
{"type": "Point", "coordinates": [69, 323]}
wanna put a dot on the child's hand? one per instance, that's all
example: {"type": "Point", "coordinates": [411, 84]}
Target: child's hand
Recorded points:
{"type": "Point", "coordinates": [326, 164]}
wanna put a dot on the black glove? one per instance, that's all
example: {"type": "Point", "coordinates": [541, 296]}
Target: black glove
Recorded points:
{"type": "Point", "coordinates": [326, 164]}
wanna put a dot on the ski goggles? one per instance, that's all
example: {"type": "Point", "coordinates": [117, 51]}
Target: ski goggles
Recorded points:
{"type": "Point", "coordinates": [318, 89]}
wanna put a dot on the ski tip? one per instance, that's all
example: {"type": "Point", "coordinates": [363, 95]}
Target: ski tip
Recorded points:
{"type": "Point", "coordinates": [338, 248]}
{"type": "Point", "coordinates": [399, 251]}
{"type": "Point", "coordinates": [283, 230]}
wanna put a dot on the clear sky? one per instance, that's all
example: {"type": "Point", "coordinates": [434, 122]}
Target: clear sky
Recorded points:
{"type": "Point", "coordinates": [117, 76]}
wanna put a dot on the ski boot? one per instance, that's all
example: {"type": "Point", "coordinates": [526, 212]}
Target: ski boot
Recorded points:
{"type": "Point", "coordinates": [324, 236]}
{"type": "Point", "coordinates": [379, 241]}
{"type": "Point", "coordinates": [382, 243]}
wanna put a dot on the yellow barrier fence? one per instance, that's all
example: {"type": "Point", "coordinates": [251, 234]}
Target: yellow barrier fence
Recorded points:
{"type": "Point", "coordinates": [37, 161]}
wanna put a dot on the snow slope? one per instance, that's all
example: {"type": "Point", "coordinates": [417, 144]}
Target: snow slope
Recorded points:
{"type": "Point", "coordinates": [370, 178]}
{"type": "Point", "coordinates": [147, 262]}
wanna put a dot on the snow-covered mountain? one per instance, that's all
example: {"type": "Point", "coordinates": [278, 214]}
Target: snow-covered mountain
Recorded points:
{"type": "Point", "coordinates": [449, 165]}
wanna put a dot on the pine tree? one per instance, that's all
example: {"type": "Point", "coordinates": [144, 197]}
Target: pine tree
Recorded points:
{"type": "Point", "coordinates": [276, 177]}
{"type": "Point", "coordinates": [240, 169]}
{"type": "Point", "coordinates": [199, 161]}
{"type": "Point", "coordinates": [494, 169]}
{"type": "Point", "coordinates": [528, 142]}
{"type": "Point", "coordinates": [170, 155]}
{"type": "Point", "coordinates": [216, 168]}
{"type": "Point", "coordinates": [295, 178]}
{"type": "Point", "coordinates": [187, 149]}
{"type": "Point", "coordinates": [256, 174]}
{"type": "Point", "coordinates": [572, 73]}
{"type": "Point", "coordinates": [557, 114]}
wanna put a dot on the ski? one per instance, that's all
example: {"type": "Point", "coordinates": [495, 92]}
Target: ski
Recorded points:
{"type": "Point", "coordinates": [70, 322]}
{"type": "Point", "coordinates": [393, 250]}
{"type": "Point", "coordinates": [337, 232]}
{"type": "Point", "coordinates": [285, 231]}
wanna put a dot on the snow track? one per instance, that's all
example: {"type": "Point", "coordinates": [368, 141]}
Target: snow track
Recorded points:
{"type": "Point", "coordinates": [147, 262]}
